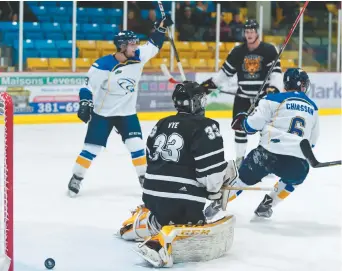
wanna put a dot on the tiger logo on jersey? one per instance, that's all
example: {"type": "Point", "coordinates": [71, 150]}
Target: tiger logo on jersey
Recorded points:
{"type": "Point", "coordinates": [252, 65]}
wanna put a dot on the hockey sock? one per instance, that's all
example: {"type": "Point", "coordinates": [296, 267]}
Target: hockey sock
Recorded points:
{"type": "Point", "coordinates": [240, 143]}
{"type": "Point", "coordinates": [137, 149]}
{"type": "Point", "coordinates": [85, 158]}
{"type": "Point", "coordinates": [281, 192]}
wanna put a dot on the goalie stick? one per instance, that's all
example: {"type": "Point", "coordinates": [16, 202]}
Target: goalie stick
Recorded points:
{"type": "Point", "coordinates": [309, 155]}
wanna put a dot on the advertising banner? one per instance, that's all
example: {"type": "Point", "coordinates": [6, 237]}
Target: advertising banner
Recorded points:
{"type": "Point", "coordinates": [325, 91]}
{"type": "Point", "coordinates": [46, 93]}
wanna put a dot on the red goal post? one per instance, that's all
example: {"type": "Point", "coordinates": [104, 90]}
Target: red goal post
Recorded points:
{"type": "Point", "coordinates": [6, 182]}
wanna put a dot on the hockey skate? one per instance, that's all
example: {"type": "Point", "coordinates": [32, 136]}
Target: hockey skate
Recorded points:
{"type": "Point", "coordinates": [152, 252]}
{"type": "Point", "coordinates": [74, 185]}
{"type": "Point", "coordinates": [264, 209]}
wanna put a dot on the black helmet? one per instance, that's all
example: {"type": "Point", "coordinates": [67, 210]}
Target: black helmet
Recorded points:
{"type": "Point", "coordinates": [251, 24]}
{"type": "Point", "coordinates": [296, 79]}
{"type": "Point", "coordinates": [189, 97]}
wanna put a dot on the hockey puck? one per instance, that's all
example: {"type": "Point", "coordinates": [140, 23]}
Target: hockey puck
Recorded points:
{"type": "Point", "coordinates": [49, 263]}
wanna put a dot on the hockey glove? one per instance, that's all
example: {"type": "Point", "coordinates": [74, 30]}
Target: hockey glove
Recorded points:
{"type": "Point", "coordinates": [272, 90]}
{"type": "Point", "coordinates": [162, 24]}
{"type": "Point", "coordinates": [238, 121]}
{"type": "Point", "coordinates": [85, 110]}
{"type": "Point", "coordinates": [209, 85]}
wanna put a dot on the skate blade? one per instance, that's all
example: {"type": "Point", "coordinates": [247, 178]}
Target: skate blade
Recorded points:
{"type": "Point", "coordinates": [72, 194]}
{"type": "Point", "coordinates": [150, 261]}
{"type": "Point", "coordinates": [260, 219]}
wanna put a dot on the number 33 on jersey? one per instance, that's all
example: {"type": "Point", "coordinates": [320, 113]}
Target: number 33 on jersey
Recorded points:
{"type": "Point", "coordinates": [190, 144]}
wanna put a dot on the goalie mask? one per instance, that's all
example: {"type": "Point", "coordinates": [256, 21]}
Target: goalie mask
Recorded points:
{"type": "Point", "coordinates": [189, 97]}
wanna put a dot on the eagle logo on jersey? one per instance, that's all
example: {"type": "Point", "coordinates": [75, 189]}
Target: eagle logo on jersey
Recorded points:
{"type": "Point", "coordinates": [127, 84]}
{"type": "Point", "coordinates": [252, 65]}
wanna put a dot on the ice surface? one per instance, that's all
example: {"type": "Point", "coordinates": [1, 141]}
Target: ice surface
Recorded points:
{"type": "Point", "coordinates": [304, 233]}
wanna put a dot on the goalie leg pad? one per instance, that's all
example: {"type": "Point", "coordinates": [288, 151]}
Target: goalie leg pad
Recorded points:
{"type": "Point", "coordinates": [203, 243]}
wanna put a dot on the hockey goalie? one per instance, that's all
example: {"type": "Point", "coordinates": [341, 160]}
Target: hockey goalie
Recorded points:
{"type": "Point", "coordinates": [186, 167]}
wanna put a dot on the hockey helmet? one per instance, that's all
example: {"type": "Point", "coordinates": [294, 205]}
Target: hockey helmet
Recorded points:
{"type": "Point", "coordinates": [189, 97]}
{"type": "Point", "coordinates": [296, 79]}
{"type": "Point", "coordinates": [124, 38]}
{"type": "Point", "coordinates": [251, 24]}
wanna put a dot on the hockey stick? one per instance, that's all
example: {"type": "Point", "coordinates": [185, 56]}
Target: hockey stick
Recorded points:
{"type": "Point", "coordinates": [249, 188]}
{"type": "Point", "coordinates": [179, 64]}
{"type": "Point", "coordinates": [308, 153]}
{"type": "Point", "coordinates": [277, 58]}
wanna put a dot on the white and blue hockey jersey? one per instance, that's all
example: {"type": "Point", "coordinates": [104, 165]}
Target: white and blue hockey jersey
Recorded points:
{"type": "Point", "coordinates": [284, 119]}
{"type": "Point", "coordinates": [113, 86]}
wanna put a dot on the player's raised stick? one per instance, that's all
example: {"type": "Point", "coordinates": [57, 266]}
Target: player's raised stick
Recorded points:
{"type": "Point", "coordinates": [309, 155]}
{"type": "Point", "coordinates": [179, 64]}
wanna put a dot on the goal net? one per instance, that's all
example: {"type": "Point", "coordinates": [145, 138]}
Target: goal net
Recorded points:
{"type": "Point", "coordinates": [6, 182]}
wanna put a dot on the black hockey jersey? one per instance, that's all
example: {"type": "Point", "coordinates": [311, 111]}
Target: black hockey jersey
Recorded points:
{"type": "Point", "coordinates": [185, 158]}
{"type": "Point", "coordinates": [252, 67]}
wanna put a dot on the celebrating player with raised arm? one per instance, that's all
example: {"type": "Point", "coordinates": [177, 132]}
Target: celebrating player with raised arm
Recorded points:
{"type": "Point", "coordinates": [108, 100]}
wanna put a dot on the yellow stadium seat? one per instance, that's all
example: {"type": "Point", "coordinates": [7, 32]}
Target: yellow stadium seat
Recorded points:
{"type": "Point", "coordinates": [211, 63]}
{"type": "Point", "coordinates": [212, 46]}
{"type": "Point", "coordinates": [243, 11]}
{"type": "Point", "coordinates": [166, 46]}
{"type": "Point", "coordinates": [289, 55]}
{"type": "Point", "coordinates": [60, 64]}
{"type": "Point", "coordinates": [199, 46]}
{"type": "Point", "coordinates": [206, 55]}
{"type": "Point", "coordinates": [105, 52]}
{"type": "Point", "coordinates": [223, 55]}
{"type": "Point", "coordinates": [185, 64]}
{"type": "Point", "coordinates": [163, 54]}
{"type": "Point", "coordinates": [186, 54]}
{"type": "Point", "coordinates": [37, 64]}
{"type": "Point", "coordinates": [85, 53]}
{"type": "Point", "coordinates": [227, 17]}
{"type": "Point", "coordinates": [83, 64]}
{"type": "Point", "coordinates": [230, 45]}
{"type": "Point", "coordinates": [274, 39]}
{"type": "Point", "coordinates": [148, 65]}
{"type": "Point", "coordinates": [105, 44]}
{"type": "Point", "coordinates": [198, 63]}
{"type": "Point", "coordinates": [155, 62]}
{"type": "Point", "coordinates": [183, 46]}
{"type": "Point", "coordinates": [310, 68]}
{"type": "Point", "coordinates": [287, 63]}
{"type": "Point", "coordinates": [86, 44]}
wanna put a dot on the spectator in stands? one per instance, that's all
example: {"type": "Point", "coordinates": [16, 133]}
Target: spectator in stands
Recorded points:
{"type": "Point", "coordinates": [15, 17]}
{"type": "Point", "coordinates": [202, 19]}
{"type": "Point", "coordinates": [180, 8]}
{"type": "Point", "coordinates": [225, 31]}
{"type": "Point", "coordinates": [187, 28]}
{"type": "Point", "coordinates": [133, 23]}
{"type": "Point", "coordinates": [236, 27]}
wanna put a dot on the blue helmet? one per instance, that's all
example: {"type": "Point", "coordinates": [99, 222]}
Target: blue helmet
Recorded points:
{"type": "Point", "coordinates": [296, 79]}
{"type": "Point", "coordinates": [124, 38]}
